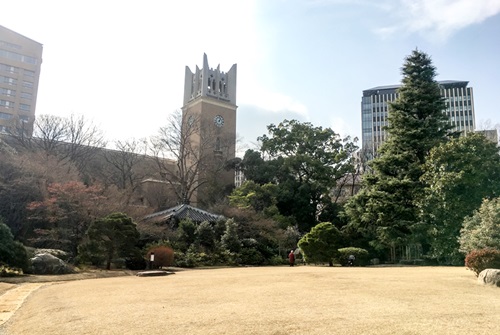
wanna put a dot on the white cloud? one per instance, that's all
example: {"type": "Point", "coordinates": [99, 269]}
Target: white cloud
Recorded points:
{"type": "Point", "coordinates": [278, 103]}
{"type": "Point", "coordinates": [438, 19]}
{"type": "Point", "coordinates": [255, 93]}
{"type": "Point", "coordinates": [341, 126]}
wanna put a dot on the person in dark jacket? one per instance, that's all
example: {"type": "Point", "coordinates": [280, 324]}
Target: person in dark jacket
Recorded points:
{"type": "Point", "coordinates": [291, 258]}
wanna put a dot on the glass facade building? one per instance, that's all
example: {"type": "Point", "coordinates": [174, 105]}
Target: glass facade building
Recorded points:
{"type": "Point", "coordinates": [375, 106]}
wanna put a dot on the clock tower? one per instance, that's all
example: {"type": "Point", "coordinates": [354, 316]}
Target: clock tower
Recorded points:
{"type": "Point", "coordinates": [209, 128]}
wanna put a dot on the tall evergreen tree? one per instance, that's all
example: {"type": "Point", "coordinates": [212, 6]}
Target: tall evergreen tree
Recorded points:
{"type": "Point", "coordinates": [385, 208]}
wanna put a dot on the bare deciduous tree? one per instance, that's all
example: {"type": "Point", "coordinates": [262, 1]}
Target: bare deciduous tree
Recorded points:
{"type": "Point", "coordinates": [124, 160]}
{"type": "Point", "coordinates": [83, 139]}
{"type": "Point", "coordinates": [74, 139]}
{"type": "Point", "coordinates": [49, 133]}
{"type": "Point", "coordinates": [489, 130]}
{"type": "Point", "coordinates": [188, 156]}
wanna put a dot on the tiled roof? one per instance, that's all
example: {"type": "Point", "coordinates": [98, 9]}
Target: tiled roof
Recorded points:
{"type": "Point", "coordinates": [182, 212]}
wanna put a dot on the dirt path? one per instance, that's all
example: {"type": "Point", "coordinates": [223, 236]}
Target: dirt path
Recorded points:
{"type": "Point", "coordinates": [12, 299]}
{"type": "Point", "coordinates": [88, 274]}
{"type": "Point", "coordinates": [15, 290]}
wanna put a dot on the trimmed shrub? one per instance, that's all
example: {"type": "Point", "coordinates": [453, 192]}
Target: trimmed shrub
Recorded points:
{"type": "Point", "coordinates": [479, 260]}
{"type": "Point", "coordinates": [362, 256]}
{"type": "Point", "coordinates": [163, 256]}
{"type": "Point", "coordinates": [249, 253]}
{"type": "Point", "coordinates": [193, 258]}
{"type": "Point", "coordinates": [251, 256]}
{"type": "Point", "coordinates": [6, 271]}
{"type": "Point", "coordinates": [482, 229]}
{"type": "Point", "coordinates": [135, 263]}
{"type": "Point", "coordinates": [278, 260]}
{"type": "Point", "coordinates": [12, 253]}
{"type": "Point", "coordinates": [91, 252]}
{"type": "Point", "coordinates": [321, 244]}
{"type": "Point", "coordinates": [181, 260]}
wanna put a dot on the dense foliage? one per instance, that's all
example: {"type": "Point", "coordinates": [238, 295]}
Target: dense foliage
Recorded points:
{"type": "Point", "coordinates": [482, 229]}
{"type": "Point", "coordinates": [362, 257]}
{"type": "Point", "coordinates": [108, 238]}
{"type": "Point", "coordinates": [321, 244]}
{"type": "Point", "coordinates": [304, 163]}
{"type": "Point", "coordinates": [12, 253]}
{"type": "Point", "coordinates": [61, 220]}
{"type": "Point", "coordinates": [458, 175]}
{"type": "Point", "coordinates": [50, 191]}
{"type": "Point", "coordinates": [385, 209]}
{"type": "Point", "coordinates": [56, 190]}
{"type": "Point", "coordinates": [479, 260]}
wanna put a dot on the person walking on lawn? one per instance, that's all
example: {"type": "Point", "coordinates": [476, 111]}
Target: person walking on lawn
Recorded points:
{"type": "Point", "coordinates": [291, 258]}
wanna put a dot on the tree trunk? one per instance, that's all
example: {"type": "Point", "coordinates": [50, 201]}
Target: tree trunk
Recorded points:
{"type": "Point", "coordinates": [108, 261]}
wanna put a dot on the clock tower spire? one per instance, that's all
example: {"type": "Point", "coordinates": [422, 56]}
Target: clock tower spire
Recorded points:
{"type": "Point", "coordinates": [209, 127]}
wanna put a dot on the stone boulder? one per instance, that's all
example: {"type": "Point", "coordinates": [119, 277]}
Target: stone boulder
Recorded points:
{"type": "Point", "coordinates": [61, 254]}
{"type": "Point", "coordinates": [47, 264]}
{"type": "Point", "coordinates": [153, 273]}
{"type": "Point", "coordinates": [489, 277]}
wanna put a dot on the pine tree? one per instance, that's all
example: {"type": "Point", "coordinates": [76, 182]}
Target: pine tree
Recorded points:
{"type": "Point", "coordinates": [416, 119]}
{"type": "Point", "coordinates": [108, 238]}
{"type": "Point", "coordinates": [384, 209]}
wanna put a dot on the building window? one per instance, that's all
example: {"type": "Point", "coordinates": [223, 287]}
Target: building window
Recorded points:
{"type": "Point", "coordinates": [4, 129]}
{"type": "Point", "coordinates": [8, 68]}
{"type": "Point", "coordinates": [29, 73]}
{"type": "Point", "coordinates": [5, 116]}
{"type": "Point", "coordinates": [10, 45]}
{"type": "Point", "coordinates": [6, 104]}
{"type": "Point", "coordinates": [8, 80]}
{"type": "Point", "coordinates": [27, 84]}
{"type": "Point", "coordinates": [8, 92]}
{"type": "Point", "coordinates": [18, 57]}
{"type": "Point", "coordinates": [26, 95]}
{"type": "Point", "coordinates": [24, 107]}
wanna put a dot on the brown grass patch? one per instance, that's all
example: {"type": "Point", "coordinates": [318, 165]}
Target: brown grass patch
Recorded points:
{"type": "Point", "coordinates": [268, 300]}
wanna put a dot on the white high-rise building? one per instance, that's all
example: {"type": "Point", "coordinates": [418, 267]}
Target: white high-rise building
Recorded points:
{"type": "Point", "coordinates": [374, 111]}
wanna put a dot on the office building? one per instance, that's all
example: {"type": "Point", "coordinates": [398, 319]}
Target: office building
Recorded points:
{"type": "Point", "coordinates": [20, 62]}
{"type": "Point", "coordinates": [374, 111]}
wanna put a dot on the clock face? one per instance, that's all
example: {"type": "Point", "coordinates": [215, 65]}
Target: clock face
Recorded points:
{"type": "Point", "coordinates": [219, 121]}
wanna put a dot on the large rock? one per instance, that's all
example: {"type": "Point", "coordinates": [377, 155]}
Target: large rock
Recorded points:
{"type": "Point", "coordinates": [61, 254]}
{"type": "Point", "coordinates": [153, 273]}
{"type": "Point", "coordinates": [489, 277]}
{"type": "Point", "coordinates": [47, 264]}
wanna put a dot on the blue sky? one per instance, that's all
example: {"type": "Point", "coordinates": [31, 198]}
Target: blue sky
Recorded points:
{"type": "Point", "coordinates": [121, 62]}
